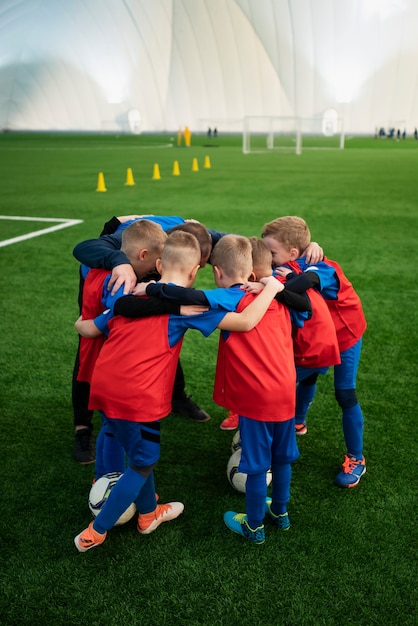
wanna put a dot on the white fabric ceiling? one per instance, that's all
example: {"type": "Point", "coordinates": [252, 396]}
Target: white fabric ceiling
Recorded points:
{"type": "Point", "coordinates": [84, 64]}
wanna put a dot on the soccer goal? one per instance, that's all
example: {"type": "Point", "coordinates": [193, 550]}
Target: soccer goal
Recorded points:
{"type": "Point", "coordinates": [264, 133]}
{"type": "Point", "coordinates": [292, 134]}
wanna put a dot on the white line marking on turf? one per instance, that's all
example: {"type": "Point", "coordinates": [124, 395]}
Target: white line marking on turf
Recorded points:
{"type": "Point", "coordinates": [62, 223]}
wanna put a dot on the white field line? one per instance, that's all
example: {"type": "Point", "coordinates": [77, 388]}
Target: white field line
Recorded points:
{"type": "Point", "coordinates": [62, 223]}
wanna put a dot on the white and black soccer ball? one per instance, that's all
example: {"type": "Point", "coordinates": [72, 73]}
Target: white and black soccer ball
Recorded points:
{"type": "Point", "coordinates": [99, 493]}
{"type": "Point", "coordinates": [236, 442]}
{"type": "Point", "coordinates": [238, 480]}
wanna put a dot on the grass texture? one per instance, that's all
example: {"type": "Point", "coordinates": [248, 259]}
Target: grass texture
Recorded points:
{"type": "Point", "coordinates": [350, 556]}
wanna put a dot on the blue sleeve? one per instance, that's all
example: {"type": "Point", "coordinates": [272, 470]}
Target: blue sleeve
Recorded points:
{"type": "Point", "coordinates": [328, 279]}
{"type": "Point", "coordinates": [206, 323]}
{"type": "Point", "coordinates": [165, 221]}
{"type": "Point", "coordinates": [226, 299]}
{"type": "Point", "coordinates": [102, 321]}
{"type": "Point", "coordinates": [108, 300]}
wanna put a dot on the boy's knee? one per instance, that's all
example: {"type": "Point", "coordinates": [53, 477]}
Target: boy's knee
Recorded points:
{"type": "Point", "coordinates": [309, 380]}
{"type": "Point", "coordinates": [144, 471]}
{"type": "Point", "coordinates": [346, 398]}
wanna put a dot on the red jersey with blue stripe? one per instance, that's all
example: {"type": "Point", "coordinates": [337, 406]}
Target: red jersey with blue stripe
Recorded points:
{"type": "Point", "coordinates": [134, 373]}
{"type": "Point", "coordinates": [315, 343]}
{"type": "Point", "coordinates": [92, 306]}
{"type": "Point", "coordinates": [255, 372]}
{"type": "Point", "coordinates": [343, 302]}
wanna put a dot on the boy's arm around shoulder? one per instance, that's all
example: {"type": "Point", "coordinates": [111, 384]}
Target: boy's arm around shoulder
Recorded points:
{"type": "Point", "coordinates": [174, 293]}
{"type": "Point", "coordinates": [252, 314]}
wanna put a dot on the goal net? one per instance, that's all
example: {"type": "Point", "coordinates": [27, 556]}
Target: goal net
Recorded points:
{"type": "Point", "coordinates": [292, 134]}
{"type": "Point", "coordinates": [264, 133]}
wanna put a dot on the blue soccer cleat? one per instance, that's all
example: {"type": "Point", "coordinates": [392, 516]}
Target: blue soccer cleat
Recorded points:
{"type": "Point", "coordinates": [282, 521]}
{"type": "Point", "coordinates": [352, 471]}
{"type": "Point", "coordinates": [238, 522]}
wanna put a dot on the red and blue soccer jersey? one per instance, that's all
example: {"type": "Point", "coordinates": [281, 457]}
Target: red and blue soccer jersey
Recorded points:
{"type": "Point", "coordinates": [255, 371]}
{"type": "Point", "coordinates": [343, 302]}
{"type": "Point", "coordinates": [315, 343]}
{"type": "Point", "coordinates": [92, 306]}
{"type": "Point", "coordinates": [134, 374]}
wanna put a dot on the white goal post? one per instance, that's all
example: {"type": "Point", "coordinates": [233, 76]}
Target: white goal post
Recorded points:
{"type": "Point", "coordinates": [291, 134]}
{"type": "Point", "coordinates": [262, 133]}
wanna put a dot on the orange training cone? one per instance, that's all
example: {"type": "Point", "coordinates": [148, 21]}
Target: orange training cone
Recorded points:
{"type": "Point", "coordinates": [156, 172]}
{"type": "Point", "coordinates": [101, 183]}
{"type": "Point", "coordinates": [207, 163]}
{"type": "Point", "coordinates": [129, 177]}
{"type": "Point", "coordinates": [176, 169]}
{"type": "Point", "coordinates": [195, 166]}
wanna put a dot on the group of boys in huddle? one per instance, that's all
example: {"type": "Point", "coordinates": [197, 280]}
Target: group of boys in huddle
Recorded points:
{"type": "Point", "coordinates": [286, 315]}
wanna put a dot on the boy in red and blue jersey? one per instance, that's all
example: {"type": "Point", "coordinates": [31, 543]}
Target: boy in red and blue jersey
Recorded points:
{"type": "Point", "coordinates": [142, 242]}
{"type": "Point", "coordinates": [286, 236]}
{"type": "Point", "coordinates": [255, 378]}
{"type": "Point", "coordinates": [132, 386]}
{"type": "Point", "coordinates": [315, 342]}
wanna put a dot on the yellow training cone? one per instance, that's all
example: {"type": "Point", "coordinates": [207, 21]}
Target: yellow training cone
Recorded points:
{"type": "Point", "coordinates": [195, 166]}
{"type": "Point", "coordinates": [129, 177]}
{"type": "Point", "coordinates": [156, 173]}
{"type": "Point", "coordinates": [207, 163]}
{"type": "Point", "coordinates": [176, 169]}
{"type": "Point", "coordinates": [101, 183]}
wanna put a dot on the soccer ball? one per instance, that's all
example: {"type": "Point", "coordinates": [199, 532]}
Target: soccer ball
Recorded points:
{"type": "Point", "coordinates": [236, 442]}
{"type": "Point", "coordinates": [99, 493]}
{"type": "Point", "coordinates": [237, 479]}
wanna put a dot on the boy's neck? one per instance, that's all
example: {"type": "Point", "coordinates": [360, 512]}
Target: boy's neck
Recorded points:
{"type": "Point", "coordinates": [227, 281]}
{"type": "Point", "coordinates": [176, 278]}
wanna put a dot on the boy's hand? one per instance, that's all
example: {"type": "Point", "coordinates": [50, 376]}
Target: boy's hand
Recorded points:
{"type": "Point", "coordinates": [193, 309]}
{"type": "Point", "coordinates": [282, 271]}
{"type": "Point", "coordinates": [141, 288]}
{"type": "Point", "coordinates": [122, 275]}
{"type": "Point", "coordinates": [270, 280]}
{"type": "Point", "coordinates": [252, 287]}
{"type": "Point", "coordinates": [313, 253]}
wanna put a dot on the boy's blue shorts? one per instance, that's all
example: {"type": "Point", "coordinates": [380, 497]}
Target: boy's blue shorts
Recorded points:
{"type": "Point", "coordinates": [266, 443]}
{"type": "Point", "coordinates": [140, 440]}
{"type": "Point", "coordinates": [345, 374]}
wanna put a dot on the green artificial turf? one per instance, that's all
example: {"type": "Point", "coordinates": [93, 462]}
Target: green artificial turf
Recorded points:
{"type": "Point", "coordinates": [351, 555]}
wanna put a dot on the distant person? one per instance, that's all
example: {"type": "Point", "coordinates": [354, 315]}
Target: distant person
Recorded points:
{"type": "Point", "coordinates": [209, 133]}
{"type": "Point", "coordinates": [215, 132]}
{"type": "Point", "coordinates": [132, 383]}
{"type": "Point", "coordinates": [415, 134]}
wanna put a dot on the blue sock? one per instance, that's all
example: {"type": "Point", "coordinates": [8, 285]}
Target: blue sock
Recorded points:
{"type": "Point", "coordinates": [304, 396]}
{"type": "Point", "coordinates": [255, 499]}
{"type": "Point", "coordinates": [353, 422]}
{"type": "Point", "coordinates": [99, 467]}
{"type": "Point", "coordinates": [282, 474]}
{"type": "Point", "coordinates": [122, 495]}
{"type": "Point", "coordinates": [146, 502]}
